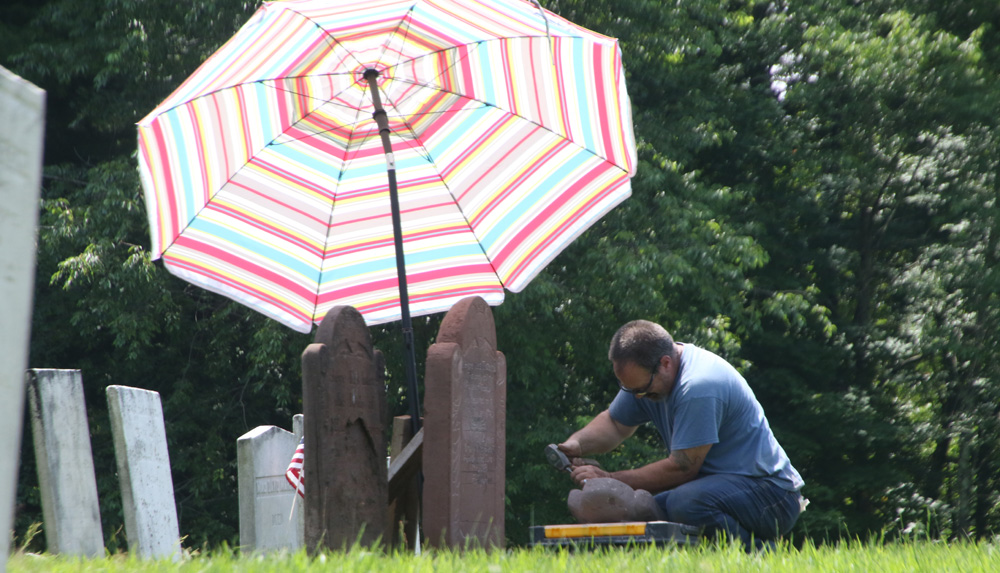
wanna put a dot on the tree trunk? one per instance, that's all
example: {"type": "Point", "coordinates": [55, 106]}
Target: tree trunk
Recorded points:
{"type": "Point", "coordinates": [965, 489]}
{"type": "Point", "coordinates": [985, 453]}
{"type": "Point", "coordinates": [935, 473]}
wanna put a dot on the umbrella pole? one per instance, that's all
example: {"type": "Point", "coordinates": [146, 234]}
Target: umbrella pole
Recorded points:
{"type": "Point", "coordinates": [409, 359]}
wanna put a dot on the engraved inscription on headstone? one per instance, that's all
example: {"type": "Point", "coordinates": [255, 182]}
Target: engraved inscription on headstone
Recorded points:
{"type": "Point", "coordinates": [343, 398]}
{"type": "Point", "coordinates": [465, 430]}
{"type": "Point", "coordinates": [65, 463]}
{"type": "Point", "coordinates": [22, 115]}
{"type": "Point", "coordinates": [144, 472]}
{"type": "Point", "coordinates": [267, 521]}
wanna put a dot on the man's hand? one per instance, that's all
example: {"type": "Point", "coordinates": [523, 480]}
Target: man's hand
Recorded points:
{"type": "Point", "coordinates": [582, 473]}
{"type": "Point", "coordinates": [571, 448]}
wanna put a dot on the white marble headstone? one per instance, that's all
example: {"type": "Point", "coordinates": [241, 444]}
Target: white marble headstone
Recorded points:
{"type": "Point", "coordinates": [22, 117]}
{"type": "Point", "coordinates": [267, 519]}
{"type": "Point", "coordinates": [144, 472]}
{"type": "Point", "coordinates": [65, 463]}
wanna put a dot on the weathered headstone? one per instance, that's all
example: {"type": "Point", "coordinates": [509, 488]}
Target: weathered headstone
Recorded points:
{"type": "Point", "coordinates": [22, 115]}
{"type": "Point", "coordinates": [343, 398]}
{"type": "Point", "coordinates": [465, 431]}
{"type": "Point", "coordinates": [144, 472]}
{"type": "Point", "coordinates": [65, 463]}
{"type": "Point", "coordinates": [267, 521]}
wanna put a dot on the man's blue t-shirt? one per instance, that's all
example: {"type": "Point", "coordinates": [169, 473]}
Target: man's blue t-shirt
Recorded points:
{"type": "Point", "coordinates": [711, 403]}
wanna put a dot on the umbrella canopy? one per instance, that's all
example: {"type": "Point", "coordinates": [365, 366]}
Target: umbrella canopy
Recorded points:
{"type": "Point", "coordinates": [265, 176]}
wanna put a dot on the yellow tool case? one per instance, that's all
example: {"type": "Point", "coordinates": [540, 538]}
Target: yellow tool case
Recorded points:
{"type": "Point", "coordinates": [627, 533]}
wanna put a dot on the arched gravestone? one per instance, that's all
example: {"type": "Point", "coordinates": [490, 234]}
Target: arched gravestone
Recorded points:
{"type": "Point", "coordinates": [267, 519]}
{"type": "Point", "coordinates": [343, 400]}
{"type": "Point", "coordinates": [465, 431]}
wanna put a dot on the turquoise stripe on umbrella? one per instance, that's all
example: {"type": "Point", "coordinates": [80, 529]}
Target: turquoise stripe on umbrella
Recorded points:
{"type": "Point", "coordinates": [263, 250]}
{"type": "Point", "coordinates": [524, 209]}
{"type": "Point", "coordinates": [388, 264]}
{"type": "Point", "coordinates": [489, 89]}
{"type": "Point", "coordinates": [583, 100]}
{"type": "Point", "coordinates": [461, 130]}
{"type": "Point", "coordinates": [189, 208]}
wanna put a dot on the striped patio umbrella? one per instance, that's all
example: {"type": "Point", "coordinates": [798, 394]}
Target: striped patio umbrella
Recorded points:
{"type": "Point", "coordinates": [265, 176]}
{"type": "Point", "coordinates": [505, 129]}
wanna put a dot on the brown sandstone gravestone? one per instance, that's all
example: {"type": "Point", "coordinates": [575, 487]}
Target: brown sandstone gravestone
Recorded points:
{"type": "Point", "coordinates": [343, 399]}
{"type": "Point", "coordinates": [465, 431]}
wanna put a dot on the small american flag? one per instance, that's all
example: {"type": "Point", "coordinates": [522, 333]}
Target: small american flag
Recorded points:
{"type": "Point", "coordinates": [294, 472]}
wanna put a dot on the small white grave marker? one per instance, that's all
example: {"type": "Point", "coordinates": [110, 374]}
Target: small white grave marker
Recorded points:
{"type": "Point", "coordinates": [144, 472]}
{"type": "Point", "coordinates": [267, 521]}
{"type": "Point", "coordinates": [65, 463]}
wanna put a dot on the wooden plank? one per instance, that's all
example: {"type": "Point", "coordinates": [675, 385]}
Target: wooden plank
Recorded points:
{"type": "Point", "coordinates": [406, 465]}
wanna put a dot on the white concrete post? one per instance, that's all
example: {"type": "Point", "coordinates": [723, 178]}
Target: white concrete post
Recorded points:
{"type": "Point", "coordinates": [22, 115]}
{"type": "Point", "coordinates": [65, 463]}
{"type": "Point", "coordinates": [144, 472]}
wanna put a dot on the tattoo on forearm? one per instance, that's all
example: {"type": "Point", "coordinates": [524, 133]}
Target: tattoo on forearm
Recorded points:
{"type": "Point", "coordinates": [684, 461]}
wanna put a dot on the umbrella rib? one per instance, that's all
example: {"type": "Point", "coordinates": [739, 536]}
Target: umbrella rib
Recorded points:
{"type": "Point", "coordinates": [331, 39]}
{"type": "Point", "coordinates": [349, 157]}
{"type": "Point", "coordinates": [426, 153]}
{"type": "Point", "coordinates": [353, 126]}
{"type": "Point", "coordinates": [405, 27]}
{"type": "Point", "coordinates": [329, 101]}
{"type": "Point", "coordinates": [409, 127]}
{"type": "Point", "coordinates": [487, 104]}
{"type": "Point", "coordinates": [430, 159]}
{"type": "Point", "coordinates": [437, 87]}
{"type": "Point", "coordinates": [457, 61]}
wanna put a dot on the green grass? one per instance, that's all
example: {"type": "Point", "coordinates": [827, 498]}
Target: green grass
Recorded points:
{"type": "Point", "coordinates": [889, 557]}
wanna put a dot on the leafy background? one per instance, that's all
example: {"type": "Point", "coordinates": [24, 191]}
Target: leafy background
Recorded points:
{"type": "Point", "coordinates": [816, 201]}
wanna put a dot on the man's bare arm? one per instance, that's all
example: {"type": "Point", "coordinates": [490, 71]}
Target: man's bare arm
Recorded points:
{"type": "Point", "coordinates": [681, 467]}
{"type": "Point", "coordinates": [601, 435]}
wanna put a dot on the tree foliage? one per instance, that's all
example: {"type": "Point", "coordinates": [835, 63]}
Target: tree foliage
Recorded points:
{"type": "Point", "coordinates": [816, 200]}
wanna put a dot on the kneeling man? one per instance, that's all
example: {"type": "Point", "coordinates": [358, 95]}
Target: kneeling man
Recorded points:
{"type": "Point", "coordinates": [725, 471]}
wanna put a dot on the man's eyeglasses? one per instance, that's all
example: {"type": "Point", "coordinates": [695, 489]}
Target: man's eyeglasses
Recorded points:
{"type": "Point", "coordinates": [645, 389]}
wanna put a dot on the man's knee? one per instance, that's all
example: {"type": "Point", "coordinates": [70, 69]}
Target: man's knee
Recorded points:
{"type": "Point", "coordinates": [682, 507]}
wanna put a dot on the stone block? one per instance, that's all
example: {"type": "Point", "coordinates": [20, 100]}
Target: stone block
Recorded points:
{"type": "Point", "coordinates": [343, 399]}
{"type": "Point", "coordinates": [22, 115]}
{"type": "Point", "coordinates": [144, 472]}
{"type": "Point", "coordinates": [65, 463]}
{"type": "Point", "coordinates": [267, 522]}
{"type": "Point", "coordinates": [465, 431]}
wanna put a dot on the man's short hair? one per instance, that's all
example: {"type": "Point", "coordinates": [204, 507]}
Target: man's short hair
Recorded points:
{"type": "Point", "coordinates": [641, 342]}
